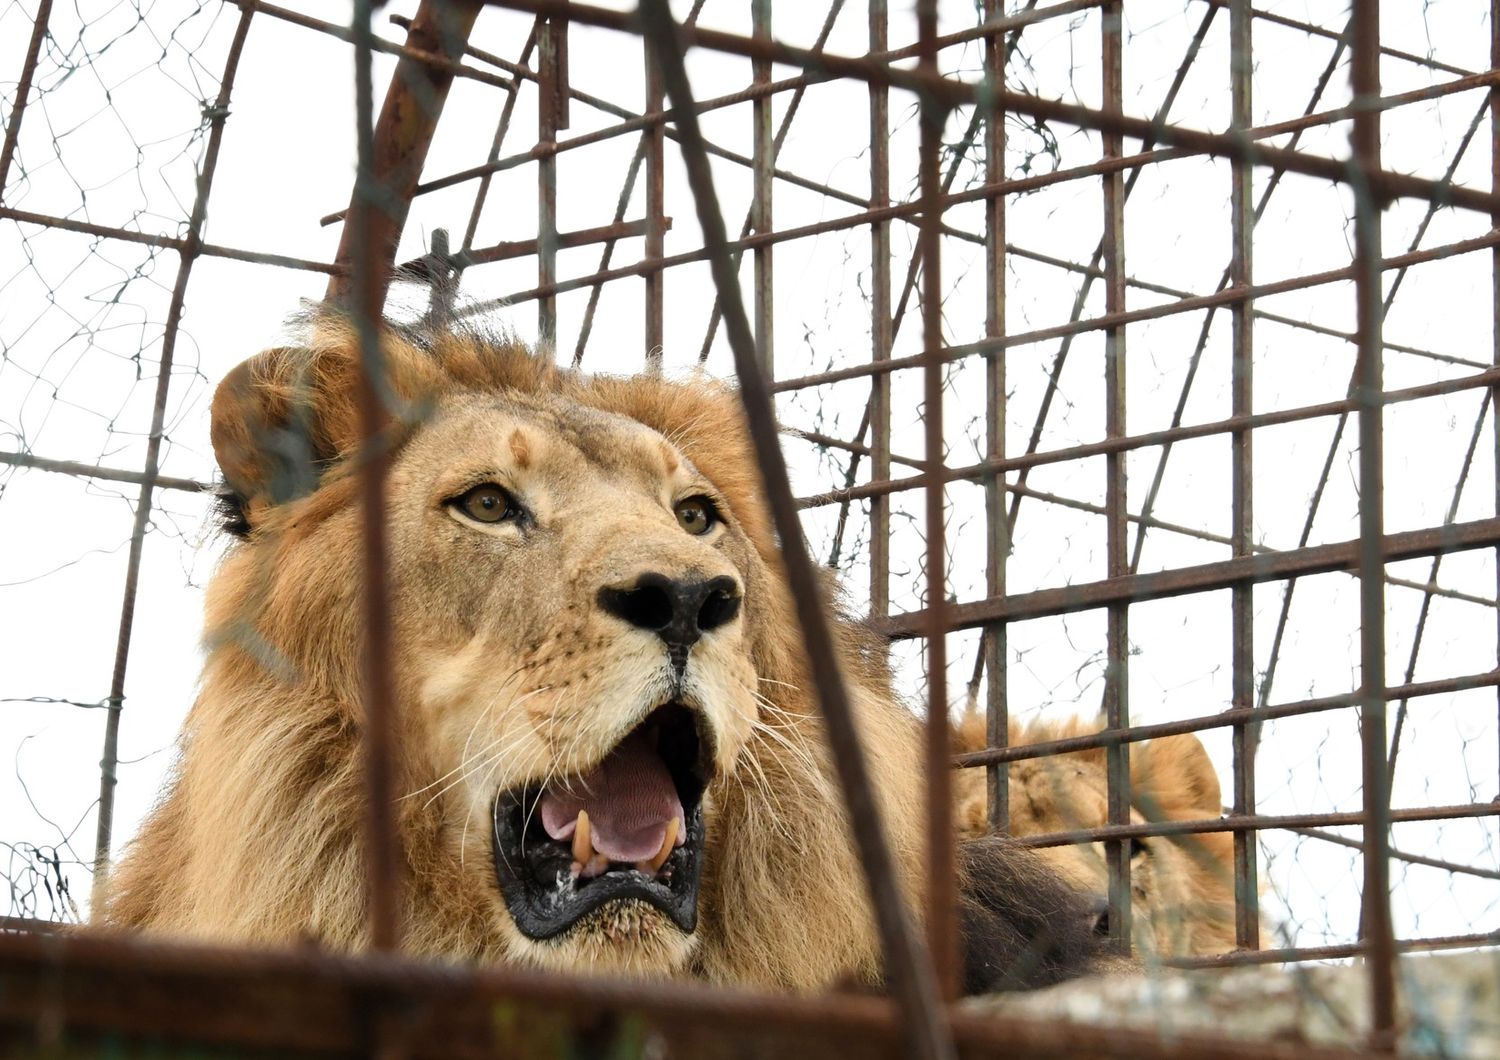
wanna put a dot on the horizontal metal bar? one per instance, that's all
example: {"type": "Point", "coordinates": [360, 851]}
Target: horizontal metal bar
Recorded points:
{"type": "Point", "coordinates": [1166, 436]}
{"type": "Point", "coordinates": [1254, 823]}
{"type": "Point", "coordinates": [1240, 958]}
{"type": "Point", "coordinates": [1224, 718]}
{"type": "Point", "coordinates": [944, 91]}
{"type": "Point", "coordinates": [633, 122]}
{"type": "Point", "coordinates": [1204, 577]}
{"type": "Point", "coordinates": [1314, 30]}
{"type": "Point", "coordinates": [167, 242]}
{"type": "Point", "coordinates": [1225, 297]}
{"type": "Point", "coordinates": [565, 241]}
{"type": "Point", "coordinates": [343, 33]}
{"type": "Point", "coordinates": [85, 982]}
{"type": "Point", "coordinates": [108, 474]}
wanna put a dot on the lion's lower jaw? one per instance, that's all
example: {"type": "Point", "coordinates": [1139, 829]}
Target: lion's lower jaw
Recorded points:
{"type": "Point", "coordinates": [628, 938]}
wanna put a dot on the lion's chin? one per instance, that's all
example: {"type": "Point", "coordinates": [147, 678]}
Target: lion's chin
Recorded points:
{"type": "Point", "coordinates": [616, 853]}
{"type": "Point", "coordinates": [621, 938]}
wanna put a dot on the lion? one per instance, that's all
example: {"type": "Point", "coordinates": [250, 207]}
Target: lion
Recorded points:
{"type": "Point", "coordinates": [610, 758]}
{"type": "Point", "coordinates": [1182, 887]}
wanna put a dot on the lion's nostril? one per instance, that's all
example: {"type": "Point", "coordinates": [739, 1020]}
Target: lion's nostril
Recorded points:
{"type": "Point", "coordinates": [720, 606]}
{"type": "Point", "coordinates": [648, 606]}
{"type": "Point", "coordinates": [677, 611]}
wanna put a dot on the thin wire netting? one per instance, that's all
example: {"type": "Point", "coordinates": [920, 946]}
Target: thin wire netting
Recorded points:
{"type": "Point", "coordinates": [119, 110]}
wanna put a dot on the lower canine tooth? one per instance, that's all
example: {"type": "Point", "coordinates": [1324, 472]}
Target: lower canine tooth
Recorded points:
{"type": "Point", "coordinates": [583, 846]}
{"type": "Point", "coordinates": [668, 842]}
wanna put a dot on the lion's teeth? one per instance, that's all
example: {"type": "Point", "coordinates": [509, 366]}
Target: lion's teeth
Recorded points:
{"type": "Point", "coordinates": [583, 846]}
{"type": "Point", "coordinates": [668, 842]}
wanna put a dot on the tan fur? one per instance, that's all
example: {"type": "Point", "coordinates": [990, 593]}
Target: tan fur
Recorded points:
{"type": "Point", "coordinates": [1183, 886]}
{"type": "Point", "coordinates": [506, 673]}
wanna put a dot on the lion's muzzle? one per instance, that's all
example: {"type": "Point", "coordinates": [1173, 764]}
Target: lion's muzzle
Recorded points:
{"type": "Point", "coordinates": [631, 827]}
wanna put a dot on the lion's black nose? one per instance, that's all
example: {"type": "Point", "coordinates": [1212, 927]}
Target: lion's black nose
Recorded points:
{"type": "Point", "coordinates": [679, 612]}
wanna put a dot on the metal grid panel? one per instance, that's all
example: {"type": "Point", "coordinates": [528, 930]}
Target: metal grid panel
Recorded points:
{"type": "Point", "coordinates": [1104, 328]}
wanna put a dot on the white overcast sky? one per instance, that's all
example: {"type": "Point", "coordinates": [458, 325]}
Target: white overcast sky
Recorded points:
{"type": "Point", "coordinates": [113, 138]}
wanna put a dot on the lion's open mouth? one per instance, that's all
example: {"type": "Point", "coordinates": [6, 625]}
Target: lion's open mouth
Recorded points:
{"type": "Point", "coordinates": [630, 827]}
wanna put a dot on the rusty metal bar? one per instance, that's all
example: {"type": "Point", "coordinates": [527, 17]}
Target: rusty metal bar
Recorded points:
{"type": "Point", "coordinates": [420, 54]}
{"type": "Point", "coordinates": [1486, 378]}
{"type": "Point", "coordinates": [1257, 823]}
{"type": "Point", "coordinates": [907, 965]}
{"type": "Point", "coordinates": [368, 242]}
{"type": "Point", "coordinates": [1385, 184]}
{"type": "Point", "coordinates": [1331, 953]}
{"type": "Point", "coordinates": [1400, 855]}
{"type": "Point", "coordinates": [551, 85]}
{"type": "Point", "coordinates": [942, 923]}
{"type": "Point", "coordinates": [881, 329]}
{"type": "Point", "coordinates": [1117, 673]}
{"type": "Point", "coordinates": [1185, 304]}
{"type": "Point", "coordinates": [212, 250]}
{"type": "Point", "coordinates": [1314, 30]}
{"type": "Point", "coordinates": [762, 98]}
{"type": "Point", "coordinates": [1375, 923]}
{"type": "Point", "coordinates": [408, 119]}
{"type": "Point", "coordinates": [763, 153]}
{"type": "Point", "coordinates": [521, 248]}
{"type": "Point", "coordinates": [308, 1000]}
{"type": "Point", "coordinates": [23, 90]}
{"type": "Point", "coordinates": [502, 127]}
{"type": "Point", "coordinates": [1495, 307]}
{"type": "Point", "coordinates": [216, 117]}
{"type": "Point", "coordinates": [1223, 719]}
{"type": "Point", "coordinates": [652, 119]}
{"type": "Point", "coordinates": [995, 640]}
{"type": "Point", "coordinates": [105, 474]}
{"type": "Point", "coordinates": [1242, 635]}
{"type": "Point", "coordinates": [654, 143]}
{"type": "Point", "coordinates": [1133, 588]}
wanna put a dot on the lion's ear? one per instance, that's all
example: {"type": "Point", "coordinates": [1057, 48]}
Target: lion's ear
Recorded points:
{"type": "Point", "coordinates": [279, 420]}
{"type": "Point", "coordinates": [1173, 778]}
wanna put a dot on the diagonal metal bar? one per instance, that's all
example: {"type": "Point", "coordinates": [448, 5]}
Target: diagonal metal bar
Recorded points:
{"type": "Point", "coordinates": [23, 91]}
{"type": "Point", "coordinates": [1387, 184]}
{"type": "Point", "coordinates": [408, 119]}
{"type": "Point", "coordinates": [907, 965]}
{"type": "Point", "coordinates": [216, 117]}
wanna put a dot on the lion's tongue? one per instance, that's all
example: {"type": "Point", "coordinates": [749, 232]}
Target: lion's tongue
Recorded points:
{"type": "Point", "coordinates": [629, 797]}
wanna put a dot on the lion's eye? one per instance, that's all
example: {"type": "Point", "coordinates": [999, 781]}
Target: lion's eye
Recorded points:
{"type": "Point", "coordinates": [487, 504]}
{"type": "Point", "coordinates": [1138, 846]}
{"type": "Point", "coordinates": [696, 515]}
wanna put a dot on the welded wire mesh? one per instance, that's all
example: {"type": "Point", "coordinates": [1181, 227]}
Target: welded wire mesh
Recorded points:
{"type": "Point", "coordinates": [1149, 342]}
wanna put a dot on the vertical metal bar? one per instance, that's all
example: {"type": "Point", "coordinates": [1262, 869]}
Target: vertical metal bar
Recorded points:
{"type": "Point", "coordinates": [1242, 662]}
{"type": "Point", "coordinates": [880, 321]}
{"type": "Point", "coordinates": [109, 761]}
{"type": "Point", "coordinates": [907, 964]}
{"type": "Point", "coordinates": [1495, 303]}
{"type": "Point", "coordinates": [23, 91]}
{"type": "Point", "coordinates": [942, 927]}
{"type": "Point", "coordinates": [501, 128]}
{"type": "Point", "coordinates": [763, 158]}
{"type": "Point", "coordinates": [1368, 399]}
{"type": "Point", "coordinates": [997, 706]}
{"type": "Point", "coordinates": [409, 116]}
{"type": "Point", "coordinates": [550, 92]}
{"type": "Point", "coordinates": [368, 288]}
{"type": "Point", "coordinates": [1116, 679]}
{"type": "Point", "coordinates": [654, 141]}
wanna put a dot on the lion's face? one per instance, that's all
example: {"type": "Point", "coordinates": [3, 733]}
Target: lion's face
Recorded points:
{"type": "Point", "coordinates": [1182, 898]}
{"type": "Point", "coordinates": [580, 663]}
